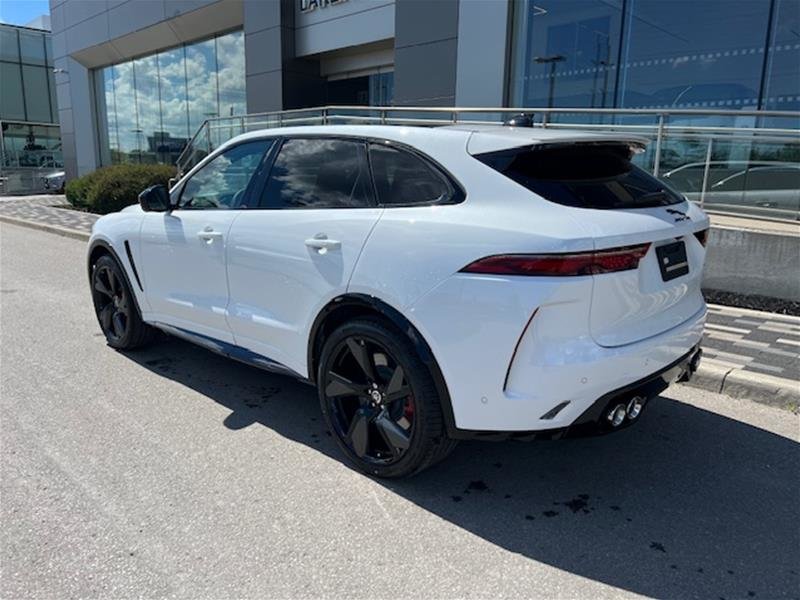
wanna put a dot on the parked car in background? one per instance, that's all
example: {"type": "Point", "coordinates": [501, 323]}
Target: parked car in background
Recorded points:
{"type": "Point", "coordinates": [765, 188]}
{"type": "Point", "coordinates": [435, 284]}
{"type": "Point", "coordinates": [55, 182]}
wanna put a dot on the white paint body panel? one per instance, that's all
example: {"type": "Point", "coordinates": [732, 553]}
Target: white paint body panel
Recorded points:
{"type": "Point", "coordinates": [184, 276]}
{"type": "Point", "coordinates": [278, 285]}
{"type": "Point", "coordinates": [261, 287]}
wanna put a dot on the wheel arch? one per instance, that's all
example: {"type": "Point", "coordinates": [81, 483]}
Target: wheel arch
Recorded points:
{"type": "Point", "coordinates": [100, 248]}
{"type": "Point", "coordinates": [349, 306]}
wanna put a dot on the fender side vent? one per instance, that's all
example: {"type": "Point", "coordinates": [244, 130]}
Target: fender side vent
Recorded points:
{"type": "Point", "coordinates": [550, 414]}
{"type": "Point", "coordinates": [133, 264]}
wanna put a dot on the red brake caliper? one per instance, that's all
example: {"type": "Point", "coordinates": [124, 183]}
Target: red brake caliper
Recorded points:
{"type": "Point", "coordinates": [408, 409]}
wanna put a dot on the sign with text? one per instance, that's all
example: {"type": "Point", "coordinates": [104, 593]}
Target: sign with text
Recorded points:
{"type": "Point", "coordinates": [309, 5]}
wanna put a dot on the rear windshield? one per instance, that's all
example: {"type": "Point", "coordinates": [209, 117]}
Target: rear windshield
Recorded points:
{"type": "Point", "coordinates": [582, 175]}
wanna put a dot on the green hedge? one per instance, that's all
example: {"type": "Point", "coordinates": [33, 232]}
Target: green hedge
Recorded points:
{"type": "Point", "coordinates": [113, 188]}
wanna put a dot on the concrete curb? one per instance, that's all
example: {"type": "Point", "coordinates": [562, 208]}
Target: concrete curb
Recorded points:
{"type": "Point", "coordinates": [736, 383]}
{"type": "Point", "coordinates": [58, 230]}
{"type": "Point", "coordinates": [747, 385]}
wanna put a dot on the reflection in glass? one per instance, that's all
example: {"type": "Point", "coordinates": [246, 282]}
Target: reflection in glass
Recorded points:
{"type": "Point", "coordinates": [655, 54]}
{"type": "Point", "coordinates": [318, 173]}
{"type": "Point", "coordinates": [222, 182]}
{"type": "Point", "coordinates": [9, 50]}
{"type": "Point", "coordinates": [31, 46]}
{"type": "Point", "coordinates": [201, 73]}
{"type": "Point", "coordinates": [174, 115]}
{"type": "Point", "coordinates": [128, 132]}
{"type": "Point", "coordinates": [154, 104]}
{"type": "Point", "coordinates": [32, 146]}
{"type": "Point", "coordinates": [109, 105]}
{"type": "Point", "coordinates": [12, 104]}
{"type": "Point", "coordinates": [230, 62]}
{"type": "Point", "coordinates": [566, 52]}
{"type": "Point", "coordinates": [24, 91]}
{"type": "Point", "coordinates": [147, 103]}
{"type": "Point", "coordinates": [37, 100]}
{"type": "Point", "coordinates": [782, 79]}
{"type": "Point", "coordinates": [710, 55]}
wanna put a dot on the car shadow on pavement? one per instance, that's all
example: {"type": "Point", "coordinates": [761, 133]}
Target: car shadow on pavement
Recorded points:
{"type": "Point", "coordinates": [688, 503]}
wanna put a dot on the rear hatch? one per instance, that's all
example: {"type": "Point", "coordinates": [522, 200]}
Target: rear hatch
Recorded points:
{"type": "Point", "coordinates": [624, 209]}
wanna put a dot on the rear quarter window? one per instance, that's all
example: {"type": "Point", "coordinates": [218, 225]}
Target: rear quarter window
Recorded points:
{"type": "Point", "coordinates": [599, 176]}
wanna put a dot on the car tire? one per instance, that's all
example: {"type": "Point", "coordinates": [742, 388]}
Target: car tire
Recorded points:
{"type": "Point", "coordinates": [380, 401]}
{"type": "Point", "coordinates": [115, 306]}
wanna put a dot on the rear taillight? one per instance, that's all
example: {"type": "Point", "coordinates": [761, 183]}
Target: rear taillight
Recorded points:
{"type": "Point", "coordinates": [560, 265]}
{"type": "Point", "coordinates": [702, 236]}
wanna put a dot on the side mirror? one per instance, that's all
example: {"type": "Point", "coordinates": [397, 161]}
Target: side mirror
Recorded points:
{"type": "Point", "coordinates": [154, 199]}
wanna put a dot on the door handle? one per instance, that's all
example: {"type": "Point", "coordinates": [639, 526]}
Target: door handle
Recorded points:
{"type": "Point", "coordinates": [322, 244]}
{"type": "Point", "coordinates": [209, 235]}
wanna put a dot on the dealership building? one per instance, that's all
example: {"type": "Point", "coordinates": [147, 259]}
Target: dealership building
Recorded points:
{"type": "Point", "coordinates": [135, 79]}
{"type": "Point", "coordinates": [30, 144]}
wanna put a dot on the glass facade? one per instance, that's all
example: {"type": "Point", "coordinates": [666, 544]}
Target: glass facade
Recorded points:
{"type": "Point", "coordinates": [26, 73]}
{"type": "Point", "coordinates": [376, 89]}
{"type": "Point", "coordinates": [723, 54]}
{"type": "Point", "coordinates": [717, 55]}
{"type": "Point", "coordinates": [152, 105]}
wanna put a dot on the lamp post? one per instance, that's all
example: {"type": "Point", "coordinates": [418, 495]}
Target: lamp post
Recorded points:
{"type": "Point", "coordinates": [552, 61]}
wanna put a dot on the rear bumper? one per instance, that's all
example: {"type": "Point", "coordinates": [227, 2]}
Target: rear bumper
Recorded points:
{"type": "Point", "coordinates": [595, 419]}
{"type": "Point", "coordinates": [508, 373]}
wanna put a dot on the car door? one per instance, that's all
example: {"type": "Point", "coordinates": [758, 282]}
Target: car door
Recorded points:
{"type": "Point", "coordinates": [296, 252]}
{"type": "Point", "coordinates": [183, 250]}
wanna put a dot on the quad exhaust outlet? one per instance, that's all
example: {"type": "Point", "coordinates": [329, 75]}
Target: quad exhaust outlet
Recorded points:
{"type": "Point", "coordinates": [617, 414]}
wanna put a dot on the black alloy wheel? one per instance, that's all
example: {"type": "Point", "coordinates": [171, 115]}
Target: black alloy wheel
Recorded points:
{"type": "Point", "coordinates": [115, 306]}
{"type": "Point", "coordinates": [112, 303]}
{"type": "Point", "coordinates": [371, 403]}
{"type": "Point", "coordinates": [379, 400]}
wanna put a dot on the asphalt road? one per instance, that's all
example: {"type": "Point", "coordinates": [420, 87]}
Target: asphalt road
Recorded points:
{"type": "Point", "coordinates": [173, 472]}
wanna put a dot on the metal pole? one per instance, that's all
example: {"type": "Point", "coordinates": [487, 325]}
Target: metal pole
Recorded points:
{"type": "Point", "coordinates": [241, 123]}
{"type": "Point", "coordinates": [705, 172]}
{"type": "Point", "coordinates": [383, 116]}
{"type": "Point", "coordinates": [659, 140]}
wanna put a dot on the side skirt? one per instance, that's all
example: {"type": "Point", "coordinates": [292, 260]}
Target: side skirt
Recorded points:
{"type": "Point", "coordinates": [229, 350]}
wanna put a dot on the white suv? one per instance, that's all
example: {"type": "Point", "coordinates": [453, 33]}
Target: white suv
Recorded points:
{"type": "Point", "coordinates": [435, 284]}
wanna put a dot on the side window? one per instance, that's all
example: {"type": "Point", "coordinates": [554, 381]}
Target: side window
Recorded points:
{"type": "Point", "coordinates": [319, 173]}
{"type": "Point", "coordinates": [221, 183]}
{"type": "Point", "coordinates": [773, 178]}
{"type": "Point", "coordinates": [403, 178]}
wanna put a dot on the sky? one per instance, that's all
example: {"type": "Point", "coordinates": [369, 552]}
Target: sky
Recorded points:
{"type": "Point", "coordinates": [19, 12]}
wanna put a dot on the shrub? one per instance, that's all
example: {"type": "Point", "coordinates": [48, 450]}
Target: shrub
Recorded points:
{"type": "Point", "coordinates": [113, 188]}
{"type": "Point", "coordinates": [77, 190]}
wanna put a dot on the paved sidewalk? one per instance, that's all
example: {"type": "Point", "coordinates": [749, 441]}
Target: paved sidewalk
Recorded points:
{"type": "Point", "coordinates": [47, 210]}
{"type": "Point", "coordinates": [753, 340]}
{"type": "Point", "coordinates": [747, 353]}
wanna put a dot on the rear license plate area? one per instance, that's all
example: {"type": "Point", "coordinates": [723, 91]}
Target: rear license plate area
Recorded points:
{"type": "Point", "coordinates": [672, 260]}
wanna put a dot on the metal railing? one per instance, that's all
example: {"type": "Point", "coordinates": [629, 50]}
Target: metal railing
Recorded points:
{"type": "Point", "coordinates": [738, 161]}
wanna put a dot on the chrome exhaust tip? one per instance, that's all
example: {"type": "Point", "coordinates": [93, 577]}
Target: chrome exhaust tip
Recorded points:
{"type": "Point", "coordinates": [616, 415]}
{"type": "Point", "coordinates": [635, 406]}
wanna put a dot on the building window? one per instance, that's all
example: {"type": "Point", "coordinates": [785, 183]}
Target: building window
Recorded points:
{"type": "Point", "coordinates": [376, 89]}
{"type": "Point", "coordinates": [655, 54]}
{"type": "Point", "coordinates": [782, 78]}
{"type": "Point", "coordinates": [26, 78]}
{"type": "Point", "coordinates": [151, 106]}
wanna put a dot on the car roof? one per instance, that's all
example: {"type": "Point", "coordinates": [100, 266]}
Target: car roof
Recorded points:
{"type": "Point", "coordinates": [477, 138]}
{"type": "Point", "coordinates": [491, 138]}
